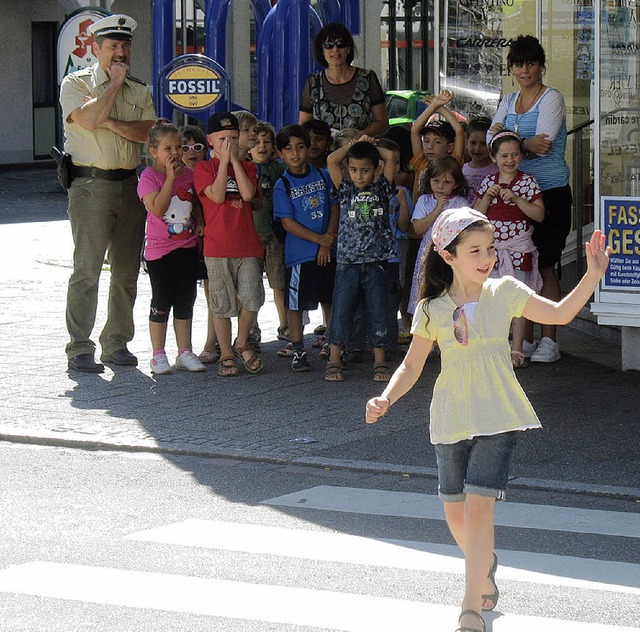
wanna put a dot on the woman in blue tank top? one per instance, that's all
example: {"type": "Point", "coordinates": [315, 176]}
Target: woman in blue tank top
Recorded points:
{"type": "Point", "coordinates": [537, 114]}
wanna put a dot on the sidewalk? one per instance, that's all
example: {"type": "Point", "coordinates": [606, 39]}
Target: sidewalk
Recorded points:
{"type": "Point", "coordinates": [589, 408]}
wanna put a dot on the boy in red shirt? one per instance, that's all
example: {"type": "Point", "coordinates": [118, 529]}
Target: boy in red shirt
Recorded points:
{"type": "Point", "coordinates": [232, 249]}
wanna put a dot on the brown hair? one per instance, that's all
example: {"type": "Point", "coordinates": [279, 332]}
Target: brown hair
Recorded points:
{"type": "Point", "coordinates": [162, 127]}
{"type": "Point", "coordinates": [446, 164]}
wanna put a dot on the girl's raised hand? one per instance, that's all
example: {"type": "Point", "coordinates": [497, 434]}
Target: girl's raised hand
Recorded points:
{"type": "Point", "coordinates": [597, 254]}
{"type": "Point", "coordinates": [376, 407]}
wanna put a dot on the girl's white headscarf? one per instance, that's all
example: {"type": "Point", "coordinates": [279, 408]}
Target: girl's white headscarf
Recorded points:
{"type": "Point", "coordinates": [451, 223]}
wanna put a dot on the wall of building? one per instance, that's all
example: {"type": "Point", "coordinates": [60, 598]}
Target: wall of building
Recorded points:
{"type": "Point", "coordinates": [16, 100]}
{"type": "Point", "coordinates": [16, 115]}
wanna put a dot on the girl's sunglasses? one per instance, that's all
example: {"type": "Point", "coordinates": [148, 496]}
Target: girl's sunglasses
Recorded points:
{"type": "Point", "coordinates": [329, 44]}
{"type": "Point", "coordinates": [460, 326]}
{"type": "Point", "coordinates": [197, 147]}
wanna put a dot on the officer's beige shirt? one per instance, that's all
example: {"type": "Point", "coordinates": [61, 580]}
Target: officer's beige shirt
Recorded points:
{"type": "Point", "coordinates": [102, 148]}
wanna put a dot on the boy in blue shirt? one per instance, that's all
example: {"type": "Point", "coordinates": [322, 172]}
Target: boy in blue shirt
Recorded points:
{"type": "Point", "coordinates": [302, 201]}
{"type": "Point", "coordinates": [365, 244]}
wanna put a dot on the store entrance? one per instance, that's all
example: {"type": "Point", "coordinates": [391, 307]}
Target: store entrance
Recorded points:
{"type": "Point", "coordinates": [43, 55]}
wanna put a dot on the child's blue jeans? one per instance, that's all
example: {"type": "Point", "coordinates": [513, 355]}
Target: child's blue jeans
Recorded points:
{"type": "Point", "coordinates": [352, 280]}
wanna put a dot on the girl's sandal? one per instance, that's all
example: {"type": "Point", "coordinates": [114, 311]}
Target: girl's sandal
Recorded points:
{"type": "Point", "coordinates": [227, 367]}
{"type": "Point", "coordinates": [334, 373]}
{"type": "Point", "coordinates": [381, 373]}
{"type": "Point", "coordinates": [492, 597]}
{"type": "Point", "coordinates": [253, 363]}
{"type": "Point", "coordinates": [519, 360]}
{"type": "Point", "coordinates": [466, 628]}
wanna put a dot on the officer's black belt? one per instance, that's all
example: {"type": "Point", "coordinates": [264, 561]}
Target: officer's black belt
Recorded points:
{"type": "Point", "coordinates": [102, 174]}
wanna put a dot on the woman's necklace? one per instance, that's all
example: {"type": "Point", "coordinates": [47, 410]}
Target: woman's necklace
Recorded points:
{"type": "Point", "coordinates": [525, 110]}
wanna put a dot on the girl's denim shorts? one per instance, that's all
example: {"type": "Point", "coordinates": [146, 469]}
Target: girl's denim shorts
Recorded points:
{"type": "Point", "coordinates": [475, 466]}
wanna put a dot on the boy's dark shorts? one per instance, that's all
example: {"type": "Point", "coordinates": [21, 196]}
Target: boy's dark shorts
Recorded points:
{"type": "Point", "coordinates": [309, 284]}
{"type": "Point", "coordinates": [550, 235]}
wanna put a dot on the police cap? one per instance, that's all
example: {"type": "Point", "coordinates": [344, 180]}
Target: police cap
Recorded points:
{"type": "Point", "coordinates": [118, 27]}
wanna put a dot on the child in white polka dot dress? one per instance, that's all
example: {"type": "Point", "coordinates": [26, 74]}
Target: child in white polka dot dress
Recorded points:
{"type": "Point", "coordinates": [511, 200]}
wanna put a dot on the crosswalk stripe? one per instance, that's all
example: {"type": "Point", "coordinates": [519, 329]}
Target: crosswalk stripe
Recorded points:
{"type": "Point", "coordinates": [257, 602]}
{"type": "Point", "coordinates": [414, 505]}
{"type": "Point", "coordinates": [536, 568]}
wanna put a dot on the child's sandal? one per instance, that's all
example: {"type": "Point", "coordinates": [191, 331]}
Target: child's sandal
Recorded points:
{"type": "Point", "coordinates": [493, 597]}
{"type": "Point", "coordinates": [334, 373]}
{"type": "Point", "coordinates": [519, 360]}
{"type": "Point", "coordinates": [381, 373]}
{"type": "Point", "coordinates": [253, 363]}
{"type": "Point", "coordinates": [466, 628]}
{"type": "Point", "coordinates": [227, 367]}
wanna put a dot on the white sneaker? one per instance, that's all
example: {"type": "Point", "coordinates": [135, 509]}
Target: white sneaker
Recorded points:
{"type": "Point", "coordinates": [160, 365]}
{"type": "Point", "coordinates": [188, 361]}
{"type": "Point", "coordinates": [528, 348]}
{"type": "Point", "coordinates": [547, 351]}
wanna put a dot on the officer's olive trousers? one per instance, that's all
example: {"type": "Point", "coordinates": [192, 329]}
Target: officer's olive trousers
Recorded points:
{"type": "Point", "coordinates": [106, 218]}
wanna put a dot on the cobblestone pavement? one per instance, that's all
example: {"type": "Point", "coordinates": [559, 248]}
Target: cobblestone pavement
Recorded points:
{"type": "Point", "coordinates": [588, 406]}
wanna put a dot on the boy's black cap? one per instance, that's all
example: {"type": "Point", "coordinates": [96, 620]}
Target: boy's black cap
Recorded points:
{"type": "Point", "coordinates": [222, 121]}
{"type": "Point", "coordinates": [440, 128]}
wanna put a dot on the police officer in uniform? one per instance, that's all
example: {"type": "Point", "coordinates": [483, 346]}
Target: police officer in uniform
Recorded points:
{"type": "Point", "coordinates": [106, 115]}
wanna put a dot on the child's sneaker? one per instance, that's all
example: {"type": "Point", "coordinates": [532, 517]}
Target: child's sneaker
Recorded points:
{"type": "Point", "coordinates": [188, 361]}
{"type": "Point", "coordinates": [300, 362]}
{"type": "Point", "coordinates": [286, 351]}
{"type": "Point", "coordinates": [160, 365]}
{"type": "Point", "coordinates": [283, 333]}
{"type": "Point", "coordinates": [528, 348]}
{"type": "Point", "coordinates": [547, 351]}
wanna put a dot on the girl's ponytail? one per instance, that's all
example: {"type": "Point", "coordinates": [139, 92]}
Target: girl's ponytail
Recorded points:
{"type": "Point", "coordinates": [159, 129]}
{"type": "Point", "coordinates": [438, 276]}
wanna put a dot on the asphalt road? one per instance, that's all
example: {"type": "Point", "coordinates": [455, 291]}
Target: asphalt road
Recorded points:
{"type": "Point", "coordinates": [99, 540]}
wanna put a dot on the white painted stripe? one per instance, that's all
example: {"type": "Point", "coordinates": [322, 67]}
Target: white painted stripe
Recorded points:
{"type": "Point", "coordinates": [412, 505]}
{"type": "Point", "coordinates": [255, 602]}
{"type": "Point", "coordinates": [554, 570]}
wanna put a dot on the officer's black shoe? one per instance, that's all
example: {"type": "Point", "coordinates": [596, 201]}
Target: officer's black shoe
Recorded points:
{"type": "Point", "coordinates": [85, 363]}
{"type": "Point", "coordinates": [122, 357]}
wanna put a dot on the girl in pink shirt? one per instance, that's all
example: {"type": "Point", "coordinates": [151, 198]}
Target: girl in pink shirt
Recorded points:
{"type": "Point", "coordinates": [174, 220]}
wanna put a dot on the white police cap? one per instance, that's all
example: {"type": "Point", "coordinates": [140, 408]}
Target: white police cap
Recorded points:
{"type": "Point", "coordinates": [117, 26]}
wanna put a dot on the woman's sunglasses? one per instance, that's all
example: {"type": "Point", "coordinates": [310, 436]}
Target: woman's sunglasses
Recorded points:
{"type": "Point", "coordinates": [329, 44]}
{"type": "Point", "coordinates": [460, 326]}
{"type": "Point", "coordinates": [197, 147]}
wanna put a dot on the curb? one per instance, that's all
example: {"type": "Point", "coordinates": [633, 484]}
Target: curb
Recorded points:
{"type": "Point", "coordinates": [373, 467]}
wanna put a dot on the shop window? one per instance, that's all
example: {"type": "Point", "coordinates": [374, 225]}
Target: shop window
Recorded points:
{"type": "Point", "coordinates": [475, 43]}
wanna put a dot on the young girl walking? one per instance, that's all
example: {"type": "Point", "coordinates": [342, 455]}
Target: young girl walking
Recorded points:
{"type": "Point", "coordinates": [445, 188]}
{"type": "Point", "coordinates": [511, 199]}
{"type": "Point", "coordinates": [174, 220]}
{"type": "Point", "coordinates": [478, 407]}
